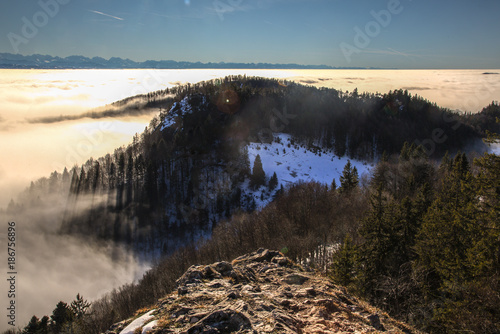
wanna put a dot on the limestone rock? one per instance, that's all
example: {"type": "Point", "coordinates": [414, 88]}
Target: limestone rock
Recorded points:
{"type": "Point", "coordinates": [262, 292]}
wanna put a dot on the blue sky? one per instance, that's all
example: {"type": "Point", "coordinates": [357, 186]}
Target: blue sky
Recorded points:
{"type": "Point", "coordinates": [345, 33]}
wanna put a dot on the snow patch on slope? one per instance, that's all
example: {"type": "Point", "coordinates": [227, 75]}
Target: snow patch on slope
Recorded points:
{"type": "Point", "coordinates": [178, 110]}
{"type": "Point", "coordinates": [138, 323]}
{"type": "Point", "coordinates": [495, 149]}
{"type": "Point", "coordinates": [149, 327]}
{"type": "Point", "coordinates": [294, 163]}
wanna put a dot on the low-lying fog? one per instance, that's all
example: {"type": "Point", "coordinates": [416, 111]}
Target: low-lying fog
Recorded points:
{"type": "Point", "coordinates": [33, 146]}
{"type": "Point", "coordinates": [40, 132]}
{"type": "Point", "coordinates": [51, 267]}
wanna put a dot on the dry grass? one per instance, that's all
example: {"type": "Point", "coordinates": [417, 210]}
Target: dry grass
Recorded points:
{"type": "Point", "coordinates": [143, 310]}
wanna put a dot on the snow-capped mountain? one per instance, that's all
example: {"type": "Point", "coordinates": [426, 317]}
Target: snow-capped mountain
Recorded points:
{"type": "Point", "coordinates": [9, 60]}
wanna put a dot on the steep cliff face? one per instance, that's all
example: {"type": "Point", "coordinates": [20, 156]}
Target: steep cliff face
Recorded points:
{"type": "Point", "coordinates": [261, 292]}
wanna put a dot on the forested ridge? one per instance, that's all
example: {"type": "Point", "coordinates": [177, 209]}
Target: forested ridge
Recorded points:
{"type": "Point", "coordinates": [193, 171]}
{"type": "Point", "coordinates": [420, 238]}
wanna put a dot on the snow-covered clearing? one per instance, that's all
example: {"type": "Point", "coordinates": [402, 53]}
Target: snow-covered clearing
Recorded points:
{"type": "Point", "coordinates": [294, 163]}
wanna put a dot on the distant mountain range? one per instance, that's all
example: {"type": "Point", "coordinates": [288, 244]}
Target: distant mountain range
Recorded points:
{"type": "Point", "coordinates": [16, 61]}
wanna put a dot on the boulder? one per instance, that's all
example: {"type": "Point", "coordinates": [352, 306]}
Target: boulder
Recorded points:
{"type": "Point", "coordinates": [295, 279]}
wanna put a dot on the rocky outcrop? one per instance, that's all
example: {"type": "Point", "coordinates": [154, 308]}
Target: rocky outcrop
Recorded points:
{"type": "Point", "coordinates": [262, 292]}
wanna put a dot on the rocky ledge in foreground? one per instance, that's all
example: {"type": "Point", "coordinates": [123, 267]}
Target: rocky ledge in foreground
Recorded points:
{"type": "Point", "coordinates": [262, 292]}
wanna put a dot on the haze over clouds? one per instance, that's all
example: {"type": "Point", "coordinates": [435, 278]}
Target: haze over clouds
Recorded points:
{"type": "Point", "coordinates": [46, 127]}
{"type": "Point", "coordinates": [54, 267]}
{"type": "Point", "coordinates": [30, 98]}
{"type": "Point", "coordinates": [50, 127]}
{"type": "Point", "coordinates": [464, 90]}
{"type": "Point", "coordinates": [51, 119]}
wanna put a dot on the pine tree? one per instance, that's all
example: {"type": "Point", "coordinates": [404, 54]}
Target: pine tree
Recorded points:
{"type": "Point", "coordinates": [279, 192]}
{"type": "Point", "coordinates": [446, 164]}
{"type": "Point", "coordinates": [79, 306]}
{"type": "Point", "coordinates": [54, 182]}
{"type": "Point", "coordinates": [413, 171]}
{"type": "Point", "coordinates": [489, 186]}
{"type": "Point", "coordinates": [43, 328]}
{"type": "Point", "coordinates": [378, 251]}
{"type": "Point", "coordinates": [349, 179]}
{"type": "Point", "coordinates": [258, 175]}
{"type": "Point", "coordinates": [244, 161]}
{"type": "Point", "coordinates": [407, 223]}
{"type": "Point", "coordinates": [129, 179]}
{"type": "Point", "coordinates": [94, 177]}
{"type": "Point", "coordinates": [406, 152]}
{"type": "Point", "coordinates": [32, 327]}
{"type": "Point", "coordinates": [385, 157]}
{"type": "Point", "coordinates": [82, 182]}
{"type": "Point", "coordinates": [473, 302]}
{"type": "Point", "coordinates": [61, 315]}
{"type": "Point", "coordinates": [450, 246]}
{"type": "Point", "coordinates": [65, 179]}
{"type": "Point", "coordinates": [344, 263]}
{"type": "Point", "coordinates": [448, 227]}
{"type": "Point", "coordinates": [273, 182]}
{"type": "Point", "coordinates": [333, 186]}
{"type": "Point", "coordinates": [252, 205]}
{"type": "Point", "coordinates": [75, 181]}
{"type": "Point", "coordinates": [381, 175]}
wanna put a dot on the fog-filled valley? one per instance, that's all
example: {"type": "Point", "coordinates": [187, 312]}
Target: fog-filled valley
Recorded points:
{"type": "Point", "coordinates": [174, 169]}
{"type": "Point", "coordinates": [249, 166]}
{"type": "Point", "coordinates": [50, 105]}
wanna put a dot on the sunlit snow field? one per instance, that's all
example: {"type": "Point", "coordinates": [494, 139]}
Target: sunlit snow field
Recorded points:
{"type": "Point", "coordinates": [294, 162]}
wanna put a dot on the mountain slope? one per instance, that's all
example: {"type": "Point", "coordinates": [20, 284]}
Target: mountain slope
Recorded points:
{"type": "Point", "coordinates": [261, 292]}
{"type": "Point", "coordinates": [187, 181]}
{"type": "Point", "coordinates": [192, 167]}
